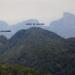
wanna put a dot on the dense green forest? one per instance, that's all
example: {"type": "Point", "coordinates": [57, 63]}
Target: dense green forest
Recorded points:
{"type": "Point", "coordinates": [36, 51]}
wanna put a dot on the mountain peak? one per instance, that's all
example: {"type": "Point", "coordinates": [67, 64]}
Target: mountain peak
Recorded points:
{"type": "Point", "coordinates": [35, 32]}
{"type": "Point", "coordinates": [29, 21]}
{"type": "Point", "coordinates": [66, 14]}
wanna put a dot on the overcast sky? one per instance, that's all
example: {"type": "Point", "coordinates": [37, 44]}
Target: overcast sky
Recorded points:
{"type": "Point", "coordinates": [13, 11]}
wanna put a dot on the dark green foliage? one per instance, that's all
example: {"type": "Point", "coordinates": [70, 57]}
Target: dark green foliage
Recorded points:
{"type": "Point", "coordinates": [42, 50]}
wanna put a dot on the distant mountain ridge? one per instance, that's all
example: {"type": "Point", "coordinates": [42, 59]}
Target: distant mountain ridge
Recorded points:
{"type": "Point", "coordinates": [64, 27]}
{"type": "Point", "coordinates": [15, 28]}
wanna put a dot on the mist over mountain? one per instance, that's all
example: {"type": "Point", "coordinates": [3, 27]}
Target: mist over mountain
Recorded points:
{"type": "Point", "coordinates": [15, 28]}
{"type": "Point", "coordinates": [64, 27]}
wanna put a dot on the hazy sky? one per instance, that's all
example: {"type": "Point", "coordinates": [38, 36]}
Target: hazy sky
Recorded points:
{"type": "Point", "coordinates": [13, 11]}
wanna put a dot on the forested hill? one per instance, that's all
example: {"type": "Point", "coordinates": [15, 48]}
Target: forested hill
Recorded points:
{"type": "Point", "coordinates": [40, 49]}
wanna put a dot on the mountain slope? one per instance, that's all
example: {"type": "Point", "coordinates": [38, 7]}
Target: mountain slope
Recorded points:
{"type": "Point", "coordinates": [40, 49]}
{"type": "Point", "coordinates": [35, 47]}
{"type": "Point", "coordinates": [3, 44]}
